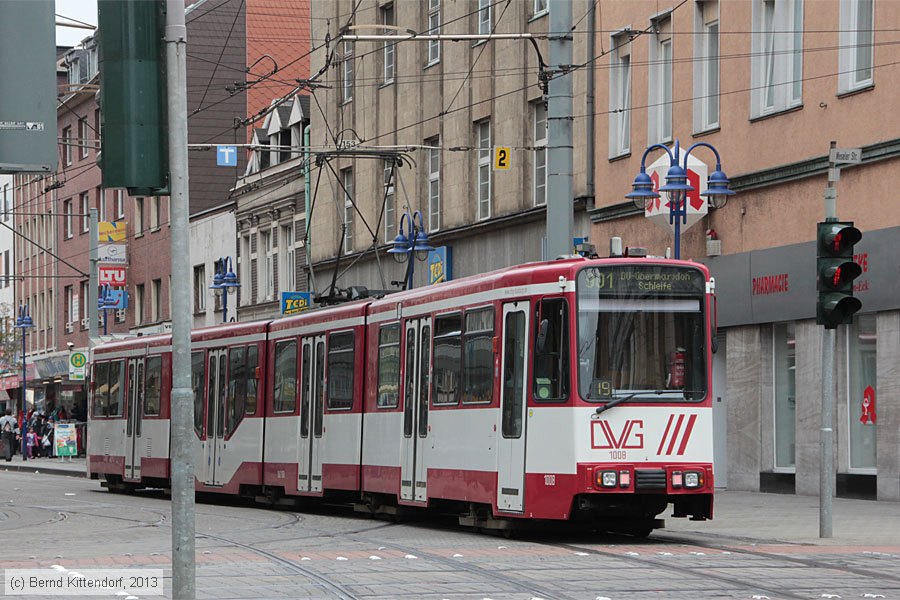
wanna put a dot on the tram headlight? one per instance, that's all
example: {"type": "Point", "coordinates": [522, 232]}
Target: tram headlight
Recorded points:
{"type": "Point", "coordinates": [693, 479]}
{"type": "Point", "coordinates": [607, 479]}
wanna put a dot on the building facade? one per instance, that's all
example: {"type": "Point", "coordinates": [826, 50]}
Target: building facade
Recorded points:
{"type": "Point", "coordinates": [411, 126]}
{"type": "Point", "coordinates": [770, 83]}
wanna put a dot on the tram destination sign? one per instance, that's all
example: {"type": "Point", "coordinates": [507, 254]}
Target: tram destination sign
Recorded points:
{"type": "Point", "coordinates": [640, 280]}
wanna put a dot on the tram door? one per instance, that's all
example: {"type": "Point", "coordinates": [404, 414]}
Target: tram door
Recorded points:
{"type": "Point", "coordinates": [416, 380]}
{"type": "Point", "coordinates": [133, 421]}
{"type": "Point", "coordinates": [511, 446]}
{"type": "Point", "coordinates": [215, 415]}
{"type": "Point", "coordinates": [312, 413]}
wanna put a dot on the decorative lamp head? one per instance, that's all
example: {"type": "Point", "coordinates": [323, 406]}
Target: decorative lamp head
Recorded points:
{"type": "Point", "coordinates": [401, 248]}
{"type": "Point", "coordinates": [422, 247]}
{"type": "Point", "coordinates": [676, 187]}
{"type": "Point", "coordinates": [717, 189]}
{"type": "Point", "coordinates": [642, 190]}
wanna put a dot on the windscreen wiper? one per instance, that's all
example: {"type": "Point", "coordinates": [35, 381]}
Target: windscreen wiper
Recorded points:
{"type": "Point", "coordinates": [621, 399]}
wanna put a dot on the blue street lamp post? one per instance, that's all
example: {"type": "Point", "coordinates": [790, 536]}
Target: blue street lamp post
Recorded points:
{"type": "Point", "coordinates": [415, 243]}
{"type": "Point", "coordinates": [677, 187]}
{"type": "Point", "coordinates": [225, 283]}
{"type": "Point", "coordinates": [24, 322]}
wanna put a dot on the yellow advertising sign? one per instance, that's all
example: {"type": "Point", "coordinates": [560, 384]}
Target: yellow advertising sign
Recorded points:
{"type": "Point", "coordinates": [112, 231]}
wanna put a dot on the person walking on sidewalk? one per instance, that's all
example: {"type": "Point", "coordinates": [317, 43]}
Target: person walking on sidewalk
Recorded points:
{"type": "Point", "coordinates": [8, 434]}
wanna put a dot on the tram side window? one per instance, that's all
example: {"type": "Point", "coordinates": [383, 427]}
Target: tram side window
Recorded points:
{"type": "Point", "coordinates": [252, 362]}
{"type": "Point", "coordinates": [551, 353]}
{"type": "Point", "coordinates": [154, 386]}
{"type": "Point", "coordinates": [388, 366]}
{"type": "Point", "coordinates": [340, 371]}
{"type": "Point", "coordinates": [198, 368]}
{"type": "Point", "coordinates": [284, 397]}
{"type": "Point", "coordinates": [447, 360]}
{"type": "Point", "coordinates": [478, 358]}
{"type": "Point", "coordinates": [101, 389]}
{"type": "Point", "coordinates": [237, 388]}
{"type": "Point", "coordinates": [116, 388]}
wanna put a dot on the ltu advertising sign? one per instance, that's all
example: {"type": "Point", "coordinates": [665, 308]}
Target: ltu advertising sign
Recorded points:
{"type": "Point", "coordinates": [113, 275]}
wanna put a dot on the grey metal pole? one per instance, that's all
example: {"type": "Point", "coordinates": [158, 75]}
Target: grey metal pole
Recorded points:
{"type": "Point", "coordinates": [91, 310]}
{"type": "Point", "coordinates": [560, 220]}
{"type": "Point", "coordinates": [181, 454]}
{"type": "Point", "coordinates": [826, 434]}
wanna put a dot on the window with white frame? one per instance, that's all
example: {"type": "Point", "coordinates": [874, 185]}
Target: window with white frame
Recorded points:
{"type": "Point", "coordinates": [269, 245]}
{"type": "Point", "coordinates": [390, 216]}
{"type": "Point", "coordinates": [84, 304]}
{"type": "Point", "coordinates": [540, 7]}
{"type": "Point", "coordinates": [856, 56]}
{"type": "Point", "coordinates": [286, 268]}
{"type": "Point", "coordinates": [85, 212]}
{"type": "Point", "coordinates": [484, 16]}
{"type": "Point", "coordinates": [347, 79]}
{"type": "Point", "coordinates": [434, 28]}
{"type": "Point", "coordinates": [139, 304]}
{"type": "Point", "coordinates": [120, 204]}
{"type": "Point", "coordinates": [200, 288]}
{"type": "Point", "coordinates": [347, 180]}
{"type": "Point", "coordinates": [387, 18]}
{"type": "Point", "coordinates": [101, 204]}
{"type": "Point", "coordinates": [67, 142]}
{"type": "Point", "coordinates": [155, 299]}
{"type": "Point", "coordinates": [71, 317]}
{"type": "Point", "coordinates": [83, 137]}
{"type": "Point", "coordinates": [776, 64]}
{"type": "Point", "coordinates": [434, 184]}
{"type": "Point", "coordinates": [539, 173]}
{"type": "Point", "coordinates": [483, 135]}
{"type": "Point", "coordinates": [706, 65]}
{"type": "Point", "coordinates": [154, 212]}
{"type": "Point", "coordinates": [67, 209]}
{"type": "Point", "coordinates": [659, 129]}
{"type": "Point", "coordinates": [620, 96]}
{"type": "Point", "coordinates": [244, 264]}
{"type": "Point", "coordinates": [139, 216]}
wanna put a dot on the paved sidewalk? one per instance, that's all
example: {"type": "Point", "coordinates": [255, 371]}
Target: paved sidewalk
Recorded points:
{"type": "Point", "coordinates": [74, 467]}
{"type": "Point", "coordinates": [795, 519]}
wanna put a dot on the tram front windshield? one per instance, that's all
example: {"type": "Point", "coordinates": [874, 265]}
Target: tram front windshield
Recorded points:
{"type": "Point", "coordinates": [641, 333]}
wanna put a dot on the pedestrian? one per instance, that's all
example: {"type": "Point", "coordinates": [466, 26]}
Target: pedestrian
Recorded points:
{"type": "Point", "coordinates": [8, 434]}
{"type": "Point", "coordinates": [30, 442]}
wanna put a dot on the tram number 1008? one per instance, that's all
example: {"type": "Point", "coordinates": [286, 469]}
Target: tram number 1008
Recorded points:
{"type": "Point", "coordinates": [549, 480]}
{"type": "Point", "coordinates": [618, 455]}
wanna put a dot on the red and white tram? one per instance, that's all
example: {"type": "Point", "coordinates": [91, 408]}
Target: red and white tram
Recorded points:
{"type": "Point", "coordinates": [572, 389]}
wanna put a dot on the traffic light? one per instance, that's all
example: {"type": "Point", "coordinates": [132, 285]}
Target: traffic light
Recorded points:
{"type": "Point", "coordinates": [134, 152]}
{"type": "Point", "coordinates": [836, 271]}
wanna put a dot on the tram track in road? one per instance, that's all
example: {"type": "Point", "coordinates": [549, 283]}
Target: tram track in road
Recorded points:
{"type": "Point", "coordinates": [809, 562]}
{"type": "Point", "coordinates": [702, 573]}
{"type": "Point", "coordinates": [325, 582]}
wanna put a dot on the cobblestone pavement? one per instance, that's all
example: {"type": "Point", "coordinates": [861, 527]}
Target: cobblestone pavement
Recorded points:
{"type": "Point", "coordinates": [760, 546]}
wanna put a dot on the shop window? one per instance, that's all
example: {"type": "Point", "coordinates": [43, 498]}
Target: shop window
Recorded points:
{"type": "Point", "coordinates": [198, 366]}
{"type": "Point", "coordinates": [478, 357]}
{"type": "Point", "coordinates": [551, 355]}
{"type": "Point", "coordinates": [153, 386]}
{"type": "Point", "coordinates": [447, 359]}
{"type": "Point", "coordinates": [388, 366]}
{"type": "Point", "coordinates": [785, 395]}
{"type": "Point", "coordinates": [862, 392]}
{"type": "Point", "coordinates": [340, 371]}
{"type": "Point", "coordinates": [285, 391]}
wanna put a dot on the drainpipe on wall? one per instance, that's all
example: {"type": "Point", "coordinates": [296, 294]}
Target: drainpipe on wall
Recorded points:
{"type": "Point", "coordinates": [306, 188]}
{"type": "Point", "coordinates": [591, 52]}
